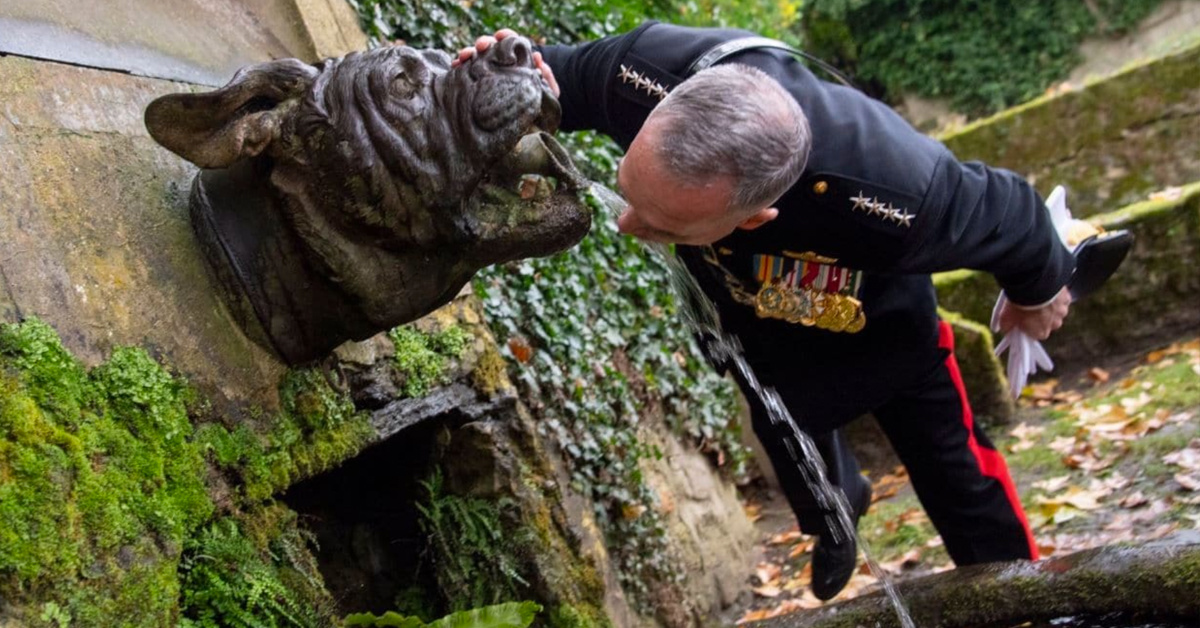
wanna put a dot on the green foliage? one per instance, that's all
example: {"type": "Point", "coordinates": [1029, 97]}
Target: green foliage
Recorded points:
{"type": "Point", "coordinates": [450, 24]}
{"type": "Point", "coordinates": [982, 56]}
{"type": "Point", "coordinates": [422, 358]}
{"type": "Point", "coordinates": [316, 429]}
{"type": "Point", "coordinates": [776, 19]}
{"type": "Point", "coordinates": [507, 615]}
{"type": "Point", "coordinates": [471, 552]}
{"type": "Point", "coordinates": [99, 483]}
{"type": "Point", "coordinates": [252, 573]}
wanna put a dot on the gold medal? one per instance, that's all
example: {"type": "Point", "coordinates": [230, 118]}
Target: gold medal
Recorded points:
{"type": "Point", "coordinates": [768, 302]}
{"type": "Point", "coordinates": [816, 308]}
{"type": "Point", "coordinates": [860, 320]}
{"type": "Point", "coordinates": [841, 314]}
{"type": "Point", "coordinates": [827, 319]}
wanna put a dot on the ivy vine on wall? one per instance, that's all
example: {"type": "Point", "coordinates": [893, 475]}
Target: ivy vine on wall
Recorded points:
{"type": "Point", "coordinates": [981, 55]}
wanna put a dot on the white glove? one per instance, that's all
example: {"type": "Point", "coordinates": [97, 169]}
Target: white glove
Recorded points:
{"type": "Point", "coordinates": [1026, 355]}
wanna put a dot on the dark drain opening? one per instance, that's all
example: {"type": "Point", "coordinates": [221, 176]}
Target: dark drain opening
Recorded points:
{"type": "Point", "coordinates": [364, 517]}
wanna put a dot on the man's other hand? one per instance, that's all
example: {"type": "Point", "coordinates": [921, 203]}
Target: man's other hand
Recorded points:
{"type": "Point", "coordinates": [484, 42]}
{"type": "Point", "coordinates": [1037, 322]}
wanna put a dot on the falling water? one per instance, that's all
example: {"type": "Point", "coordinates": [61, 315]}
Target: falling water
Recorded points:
{"type": "Point", "coordinates": [701, 314]}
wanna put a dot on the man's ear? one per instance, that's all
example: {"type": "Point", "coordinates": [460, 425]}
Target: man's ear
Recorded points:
{"type": "Point", "coordinates": [215, 129]}
{"type": "Point", "coordinates": [759, 218]}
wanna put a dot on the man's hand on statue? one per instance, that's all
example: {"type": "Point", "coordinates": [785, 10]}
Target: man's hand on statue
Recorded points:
{"type": "Point", "coordinates": [484, 42]}
{"type": "Point", "coordinates": [1036, 322]}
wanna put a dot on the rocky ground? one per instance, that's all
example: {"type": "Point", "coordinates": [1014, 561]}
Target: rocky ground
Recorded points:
{"type": "Point", "coordinates": [1105, 455]}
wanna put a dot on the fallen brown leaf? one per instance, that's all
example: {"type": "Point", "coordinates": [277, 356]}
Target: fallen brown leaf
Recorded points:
{"type": "Point", "coordinates": [1188, 458]}
{"type": "Point", "coordinates": [767, 591]}
{"type": "Point", "coordinates": [784, 608]}
{"type": "Point", "coordinates": [1156, 356]}
{"type": "Point", "coordinates": [801, 548]}
{"type": "Point", "coordinates": [785, 538]}
{"type": "Point", "coordinates": [1134, 500]}
{"type": "Point", "coordinates": [1044, 389]}
{"type": "Point", "coordinates": [1161, 531]}
{"type": "Point", "coordinates": [1189, 481]}
{"type": "Point", "coordinates": [1026, 436]}
{"type": "Point", "coordinates": [910, 559]}
{"type": "Point", "coordinates": [1053, 485]}
{"type": "Point", "coordinates": [767, 573]}
{"type": "Point", "coordinates": [1063, 444]}
{"type": "Point", "coordinates": [1098, 375]}
{"type": "Point", "coordinates": [520, 349]}
{"type": "Point", "coordinates": [1181, 417]}
{"type": "Point", "coordinates": [1116, 481]}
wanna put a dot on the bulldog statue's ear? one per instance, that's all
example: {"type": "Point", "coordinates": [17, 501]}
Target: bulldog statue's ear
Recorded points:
{"type": "Point", "coordinates": [215, 129]}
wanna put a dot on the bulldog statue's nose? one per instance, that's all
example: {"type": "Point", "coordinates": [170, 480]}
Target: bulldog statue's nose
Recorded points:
{"type": "Point", "coordinates": [512, 51]}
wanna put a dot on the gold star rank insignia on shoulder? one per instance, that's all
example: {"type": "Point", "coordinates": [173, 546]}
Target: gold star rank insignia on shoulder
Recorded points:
{"type": "Point", "coordinates": [885, 211]}
{"type": "Point", "coordinates": [642, 82]}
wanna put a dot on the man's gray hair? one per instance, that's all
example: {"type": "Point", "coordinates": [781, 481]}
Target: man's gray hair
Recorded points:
{"type": "Point", "coordinates": [734, 120]}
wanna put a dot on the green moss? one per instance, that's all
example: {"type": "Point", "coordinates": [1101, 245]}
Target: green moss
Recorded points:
{"type": "Point", "coordinates": [316, 429]}
{"type": "Point", "coordinates": [491, 373]}
{"type": "Point", "coordinates": [99, 482]}
{"type": "Point", "coordinates": [571, 616]}
{"type": "Point", "coordinates": [50, 374]}
{"type": "Point", "coordinates": [103, 483]}
{"type": "Point", "coordinates": [1110, 143]}
{"type": "Point", "coordinates": [421, 358]}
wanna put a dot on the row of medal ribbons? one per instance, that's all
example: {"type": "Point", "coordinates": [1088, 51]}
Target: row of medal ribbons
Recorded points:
{"type": "Point", "coordinates": [809, 293]}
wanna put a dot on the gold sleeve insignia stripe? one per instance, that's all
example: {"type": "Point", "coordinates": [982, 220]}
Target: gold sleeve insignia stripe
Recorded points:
{"type": "Point", "coordinates": [810, 256]}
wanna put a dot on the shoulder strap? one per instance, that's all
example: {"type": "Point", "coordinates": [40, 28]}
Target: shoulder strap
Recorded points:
{"type": "Point", "coordinates": [734, 46]}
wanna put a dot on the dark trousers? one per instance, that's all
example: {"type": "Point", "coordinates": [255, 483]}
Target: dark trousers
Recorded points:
{"type": "Point", "coordinates": [960, 478]}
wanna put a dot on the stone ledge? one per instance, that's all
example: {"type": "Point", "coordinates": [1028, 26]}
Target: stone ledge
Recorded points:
{"type": "Point", "coordinates": [1110, 142]}
{"type": "Point", "coordinates": [1157, 581]}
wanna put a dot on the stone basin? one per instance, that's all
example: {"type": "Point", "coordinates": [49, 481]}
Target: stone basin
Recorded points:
{"type": "Point", "coordinates": [1152, 584]}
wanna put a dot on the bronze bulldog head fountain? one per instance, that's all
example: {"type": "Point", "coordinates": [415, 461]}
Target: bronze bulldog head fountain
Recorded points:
{"type": "Point", "coordinates": [339, 200]}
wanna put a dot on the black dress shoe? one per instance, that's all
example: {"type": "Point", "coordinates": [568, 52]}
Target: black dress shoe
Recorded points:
{"type": "Point", "coordinates": [832, 566]}
{"type": "Point", "coordinates": [834, 563]}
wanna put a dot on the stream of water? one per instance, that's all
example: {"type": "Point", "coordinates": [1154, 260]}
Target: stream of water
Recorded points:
{"type": "Point", "coordinates": [701, 315]}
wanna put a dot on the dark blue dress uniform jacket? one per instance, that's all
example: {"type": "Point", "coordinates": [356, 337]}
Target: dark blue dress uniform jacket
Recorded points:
{"type": "Point", "coordinates": [962, 215]}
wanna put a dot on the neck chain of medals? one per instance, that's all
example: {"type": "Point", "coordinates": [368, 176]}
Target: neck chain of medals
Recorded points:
{"type": "Point", "coordinates": [807, 306]}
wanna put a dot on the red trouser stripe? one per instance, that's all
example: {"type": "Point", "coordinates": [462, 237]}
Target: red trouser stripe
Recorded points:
{"type": "Point", "coordinates": [991, 463]}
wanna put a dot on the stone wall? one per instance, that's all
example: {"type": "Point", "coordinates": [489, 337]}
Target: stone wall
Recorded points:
{"type": "Point", "coordinates": [1111, 142]}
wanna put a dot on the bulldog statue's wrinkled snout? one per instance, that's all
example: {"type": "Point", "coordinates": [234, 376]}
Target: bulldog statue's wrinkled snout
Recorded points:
{"type": "Point", "coordinates": [340, 200]}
